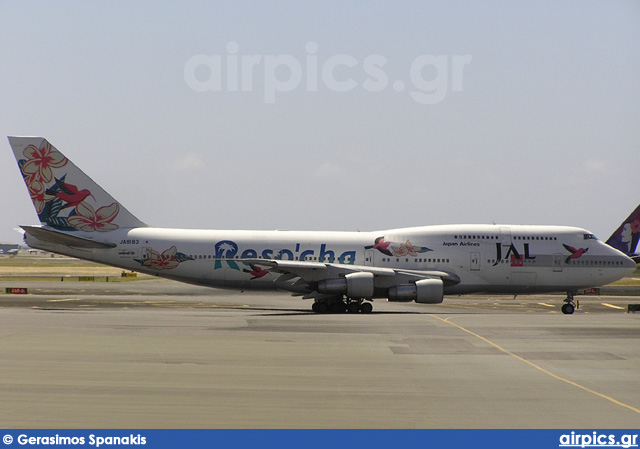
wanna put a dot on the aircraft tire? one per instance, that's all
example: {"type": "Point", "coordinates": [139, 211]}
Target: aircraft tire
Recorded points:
{"type": "Point", "coordinates": [366, 307]}
{"type": "Point", "coordinates": [320, 307]}
{"type": "Point", "coordinates": [338, 307]}
{"type": "Point", "coordinates": [353, 307]}
{"type": "Point", "coordinates": [568, 309]}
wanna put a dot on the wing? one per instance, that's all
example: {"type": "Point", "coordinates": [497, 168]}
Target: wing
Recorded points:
{"type": "Point", "coordinates": [315, 279]}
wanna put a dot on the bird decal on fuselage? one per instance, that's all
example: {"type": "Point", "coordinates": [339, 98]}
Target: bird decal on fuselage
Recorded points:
{"type": "Point", "coordinates": [575, 253]}
{"type": "Point", "coordinates": [256, 272]}
{"type": "Point", "coordinates": [397, 249]}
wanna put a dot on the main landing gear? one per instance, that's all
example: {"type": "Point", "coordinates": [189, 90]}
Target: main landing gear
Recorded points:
{"type": "Point", "coordinates": [571, 305]}
{"type": "Point", "coordinates": [342, 306]}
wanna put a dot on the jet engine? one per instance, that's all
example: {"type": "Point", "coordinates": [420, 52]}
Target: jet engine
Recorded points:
{"type": "Point", "coordinates": [353, 285]}
{"type": "Point", "coordinates": [425, 291]}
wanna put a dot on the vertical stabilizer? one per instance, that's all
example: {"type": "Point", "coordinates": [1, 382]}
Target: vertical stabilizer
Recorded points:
{"type": "Point", "coordinates": [625, 238]}
{"type": "Point", "coordinates": [64, 197]}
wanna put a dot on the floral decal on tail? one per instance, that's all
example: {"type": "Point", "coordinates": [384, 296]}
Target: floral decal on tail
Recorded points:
{"type": "Point", "coordinates": [59, 203]}
{"type": "Point", "coordinates": [40, 161]}
{"type": "Point", "coordinates": [89, 220]}
{"type": "Point", "coordinates": [167, 260]}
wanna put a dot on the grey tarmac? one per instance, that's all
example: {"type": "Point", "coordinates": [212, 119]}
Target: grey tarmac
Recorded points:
{"type": "Point", "coordinates": [159, 354]}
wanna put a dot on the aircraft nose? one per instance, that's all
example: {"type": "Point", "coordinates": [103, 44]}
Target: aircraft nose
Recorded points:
{"type": "Point", "coordinates": [630, 264]}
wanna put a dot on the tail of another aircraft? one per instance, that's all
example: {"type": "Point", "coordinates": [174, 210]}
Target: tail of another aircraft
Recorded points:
{"type": "Point", "coordinates": [625, 238]}
{"type": "Point", "coordinates": [64, 197]}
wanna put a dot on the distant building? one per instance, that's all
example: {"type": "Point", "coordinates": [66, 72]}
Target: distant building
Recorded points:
{"type": "Point", "coordinates": [8, 248]}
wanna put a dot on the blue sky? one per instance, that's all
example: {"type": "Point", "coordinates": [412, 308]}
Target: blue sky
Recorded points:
{"type": "Point", "coordinates": [543, 128]}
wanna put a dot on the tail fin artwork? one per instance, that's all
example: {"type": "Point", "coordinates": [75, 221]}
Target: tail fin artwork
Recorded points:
{"type": "Point", "coordinates": [64, 197]}
{"type": "Point", "coordinates": [626, 237]}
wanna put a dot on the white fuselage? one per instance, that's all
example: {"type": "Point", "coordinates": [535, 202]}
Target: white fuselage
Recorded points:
{"type": "Point", "coordinates": [486, 258]}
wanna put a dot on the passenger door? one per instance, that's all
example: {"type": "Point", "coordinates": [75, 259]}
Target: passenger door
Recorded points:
{"type": "Point", "coordinates": [475, 261]}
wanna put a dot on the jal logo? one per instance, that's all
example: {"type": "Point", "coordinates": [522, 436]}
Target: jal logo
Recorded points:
{"type": "Point", "coordinates": [517, 259]}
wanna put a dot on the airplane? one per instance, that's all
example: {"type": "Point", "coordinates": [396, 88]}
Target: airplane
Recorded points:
{"type": "Point", "coordinates": [340, 271]}
{"type": "Point", "coordinates": [626, 237]}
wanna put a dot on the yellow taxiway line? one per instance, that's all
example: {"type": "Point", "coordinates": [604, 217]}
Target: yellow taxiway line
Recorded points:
{"type": "Point", "coordinates": [612, 306]}
{"type": "Point", "coordinates": [538, 367]}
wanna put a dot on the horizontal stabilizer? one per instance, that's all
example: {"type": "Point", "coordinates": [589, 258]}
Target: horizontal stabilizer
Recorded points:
{"type": "Point", "coordinates": [51, 236]}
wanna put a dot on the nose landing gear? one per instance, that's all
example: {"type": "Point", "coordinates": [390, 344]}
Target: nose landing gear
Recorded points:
{"type": "Point", "coordinates": [570, 304]}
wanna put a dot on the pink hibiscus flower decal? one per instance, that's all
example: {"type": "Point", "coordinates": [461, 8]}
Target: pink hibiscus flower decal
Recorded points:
{"type": "Point", "coordinates": [635, 226]}
{"type": "Point", "coordinates": [165, 261]}
{"type": "Point", "coordinates": [40, 161]}
{"type": "Point", "coordinates": [38, 195]}
{"type": "Point", "coordinates": [405, 249]}
{"type": "Point", "coordinates": [90, 220]}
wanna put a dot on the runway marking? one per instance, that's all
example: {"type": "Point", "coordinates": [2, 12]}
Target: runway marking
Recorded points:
{"type": "Point", "coordinates": [63, 300]}
{"type": "Point", "coordinates": [231, 306]}
{"type": "Point", "coordinates": [612, 306]}
{"type": "Point", "coordinates": [546, 305]}
{"type": "Point", "coordinates": [538, 367]}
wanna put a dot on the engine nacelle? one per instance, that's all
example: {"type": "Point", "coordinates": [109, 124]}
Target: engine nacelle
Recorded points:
{"type": "Point", "coordinates": [425, 291]}
{"type": "Point", "coordinates": [353, 285]}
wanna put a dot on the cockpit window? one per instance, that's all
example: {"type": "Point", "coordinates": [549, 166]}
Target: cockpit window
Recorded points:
{"type": "Point", "coordinates": [590, 237]}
